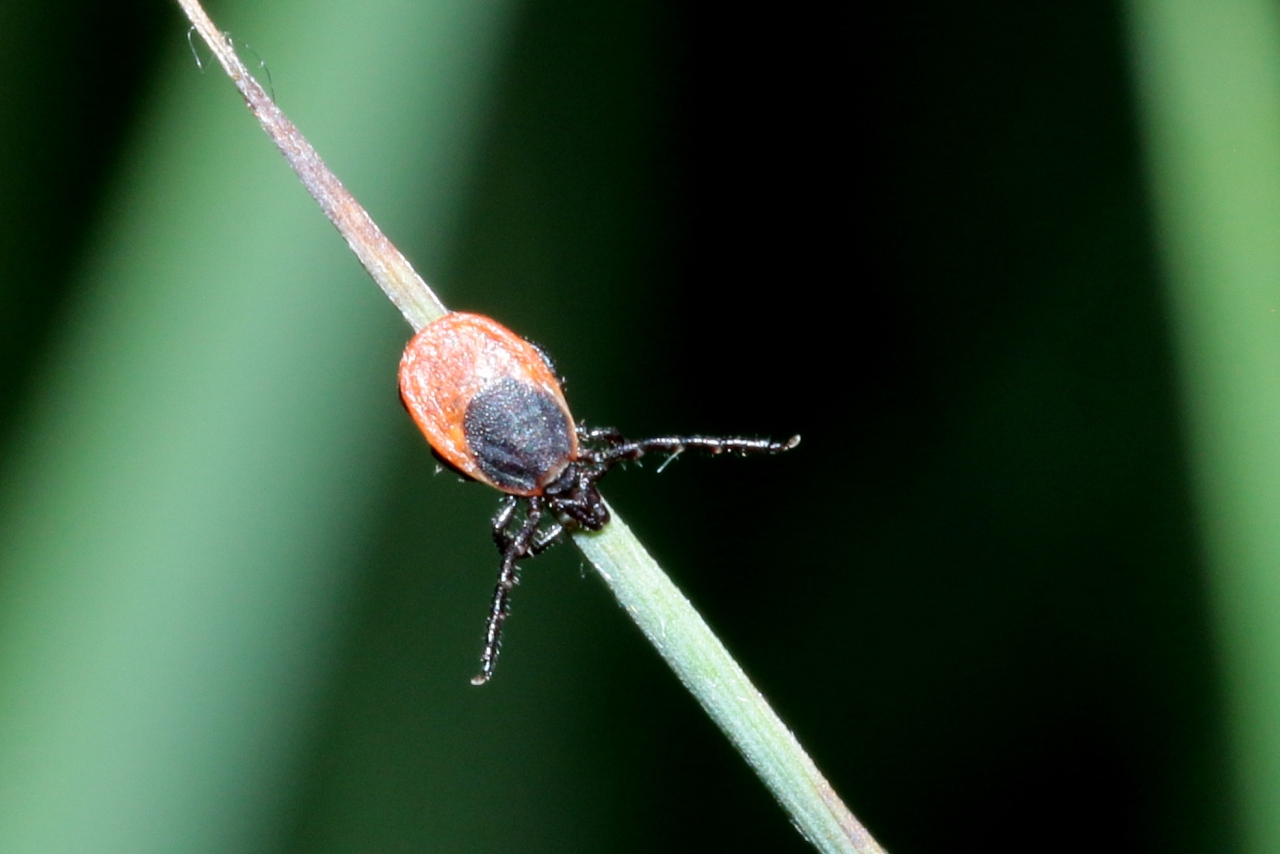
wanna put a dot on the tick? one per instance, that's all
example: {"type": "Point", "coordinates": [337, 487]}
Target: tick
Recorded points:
{"type": "Point", "coordinates": [492, 409]}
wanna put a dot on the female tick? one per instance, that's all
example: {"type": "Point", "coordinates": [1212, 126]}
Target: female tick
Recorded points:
{"type": "Point", "coordinates": [492, 409]}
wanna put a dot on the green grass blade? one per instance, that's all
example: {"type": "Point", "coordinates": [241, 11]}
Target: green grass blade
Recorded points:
{"type": "Point", "coordinates": [1209, 81]}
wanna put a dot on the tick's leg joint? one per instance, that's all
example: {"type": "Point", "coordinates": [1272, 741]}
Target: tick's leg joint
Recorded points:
{"type": "Point", "coordinates": [546, 538]}
{"type": "Point", "coordinates": [502, 522]}
{"type": "Point", "coordinates": [607, 435]}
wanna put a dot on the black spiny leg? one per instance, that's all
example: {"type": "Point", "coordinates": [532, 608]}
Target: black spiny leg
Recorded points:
{"type": "Point", "coordinates": [514, 547]}
{"type": "Point", "coordinates": [502, 536]}
{"type": "Point", "coordinates": [600, 434]}
{"type": "Point", "coordinates": [546, 539]}
{"type": "Point", "coordinates": [675, 445]}
{"type": "Point", "coordinates": [502, 522]}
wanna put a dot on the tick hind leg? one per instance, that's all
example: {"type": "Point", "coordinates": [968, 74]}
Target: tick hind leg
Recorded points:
{"type": "Point", "coordinates": [515, 540]}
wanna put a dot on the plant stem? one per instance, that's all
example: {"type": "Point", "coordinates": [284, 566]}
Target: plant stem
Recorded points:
{"type": "Point", "coordinates": [711, 674]}
{"type": "Point", "coordinates": [388, 267]}
{"type": "Point", "coordinates": [665, 616]}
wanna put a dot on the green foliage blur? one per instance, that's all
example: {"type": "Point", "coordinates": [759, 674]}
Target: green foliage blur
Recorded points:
{"type": "Point", "coordinates": [239, 608]}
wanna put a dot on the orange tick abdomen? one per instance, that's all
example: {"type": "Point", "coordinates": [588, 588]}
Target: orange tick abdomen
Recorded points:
{"type": "Point", "coordinates": [488, 403]}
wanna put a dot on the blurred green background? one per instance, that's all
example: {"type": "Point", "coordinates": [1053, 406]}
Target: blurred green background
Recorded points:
{"type": "Point", "coordinates": [1014, 591]}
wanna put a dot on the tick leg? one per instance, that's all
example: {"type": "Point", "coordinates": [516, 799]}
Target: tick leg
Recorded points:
{"type": "Point", "coordinates": [514, 547]}
{"type": "Point", "coordinates": [502, 522]}
{"type": "Point", "coordinates": [674, 445]}
{"type": "Point", "coordinates": [600, 434]}
{"type": "Point", "coordinates": [546, 539]}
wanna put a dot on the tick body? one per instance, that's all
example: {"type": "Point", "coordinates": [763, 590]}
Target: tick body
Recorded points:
{"type": "Point", "coordinates": [488, 403]}
{"type": "Point", "coordinates": [491, 407]}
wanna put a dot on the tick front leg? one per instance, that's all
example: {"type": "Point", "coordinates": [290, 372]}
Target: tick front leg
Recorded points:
{"type": "Point", "coordinates": [608, 435]}
{"type": "Point", "coordinates": [675, 445]}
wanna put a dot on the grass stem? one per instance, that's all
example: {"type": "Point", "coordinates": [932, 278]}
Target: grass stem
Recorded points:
{"type": "Point", "coordinates": [662, 612]}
